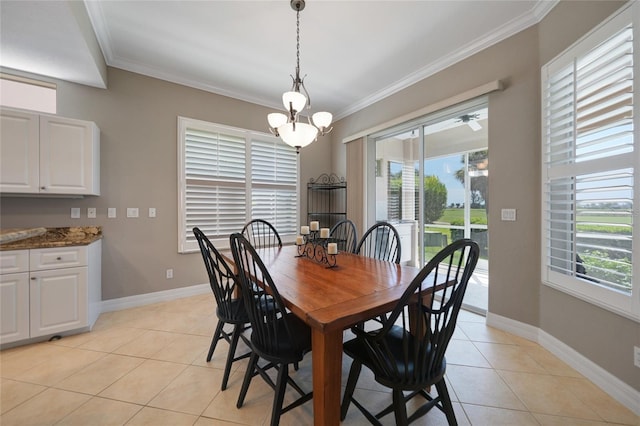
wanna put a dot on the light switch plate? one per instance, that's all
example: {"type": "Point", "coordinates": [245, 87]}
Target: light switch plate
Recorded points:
{"type": "Point", "coordinates": [152, 212]}
{"type": "Point", "coordinates": [75, 212]}
{"type": "Point", "coordinates": [508, 215]}
{"type": "Point", "coordinates": [111, 212]}
{"type": "Point", "coordinates": [132, 212]}
{"type": "Point", "coordinates": [91, 212]}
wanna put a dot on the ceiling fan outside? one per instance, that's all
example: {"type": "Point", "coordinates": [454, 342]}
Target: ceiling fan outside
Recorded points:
{"type": "Point", "coordinates": [470, 119]}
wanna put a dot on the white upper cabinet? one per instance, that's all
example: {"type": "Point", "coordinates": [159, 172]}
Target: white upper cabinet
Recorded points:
{"type": "Point", "coordinates": [47, 154]}
{"type": "Point", "coordinates": [19, 151]}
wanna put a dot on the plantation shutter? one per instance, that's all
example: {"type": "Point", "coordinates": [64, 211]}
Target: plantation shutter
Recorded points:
{"type": "Point", "coordinates": [588, 164]}
{"type": "Point", "coordinates": [228, 176]}
{"type": "Point", "coordinates": [274, 179]}
{"type": "Point", "coordinates": [215, 198]}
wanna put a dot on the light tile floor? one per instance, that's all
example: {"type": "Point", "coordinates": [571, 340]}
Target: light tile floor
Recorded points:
{"type": "Point", "coordinates": [146, 366]}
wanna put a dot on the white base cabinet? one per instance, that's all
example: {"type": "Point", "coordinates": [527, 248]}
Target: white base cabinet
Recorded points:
{"type": "Point", "coordinates": [14, 309]}
{"type": "Point", "coordinates": [48, 154]}
{"type": "Point", "coordinates": [59, 293]}
{"type": "Point", "coordinates": [57, 300]}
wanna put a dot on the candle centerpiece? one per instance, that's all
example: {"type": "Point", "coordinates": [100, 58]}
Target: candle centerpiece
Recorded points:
{"type": "Point", "coordinates": [315, 243]}
{"type": "Point", "coordinates": [324, 233]}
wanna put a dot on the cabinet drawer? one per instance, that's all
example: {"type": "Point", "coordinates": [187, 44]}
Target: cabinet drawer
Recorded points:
{"type": "Point", "coordinates": [53, 258]}
{"type": "Point", "coordinates": [14, 261]}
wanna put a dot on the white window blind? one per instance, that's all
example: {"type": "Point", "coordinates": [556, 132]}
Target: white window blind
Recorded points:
{"type": "Point", "coordinates": [215, 183]}
{"type": "Point", "coordinates": [229, 176]}
{"type": "Point", "coordinates": [274, 182]}
{"type": "Point", "coordinates": [589, 168]}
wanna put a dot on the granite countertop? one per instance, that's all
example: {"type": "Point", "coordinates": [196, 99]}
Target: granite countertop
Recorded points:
{"type": "Point", "coordinates": [33, 238]}
{"type": "Point", "coordinates": [13, 234]}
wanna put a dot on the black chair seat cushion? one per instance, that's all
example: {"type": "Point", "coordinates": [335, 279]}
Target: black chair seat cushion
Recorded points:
{"type": "Point", "coordinates": [280, 348]}
{"type": "Point", "coordinates": [237, 313]}
{"type": "Point", "coordinates": [405, 376]}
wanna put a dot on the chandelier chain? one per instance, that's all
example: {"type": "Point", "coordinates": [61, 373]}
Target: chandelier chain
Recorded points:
{"type": "Point", "coordinates": [297, 45]}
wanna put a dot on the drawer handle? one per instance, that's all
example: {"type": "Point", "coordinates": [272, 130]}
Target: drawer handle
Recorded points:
{"type": "Point", "coordinates": [59, 258]}
{"type": "Point", "coordinates": [33, 278]}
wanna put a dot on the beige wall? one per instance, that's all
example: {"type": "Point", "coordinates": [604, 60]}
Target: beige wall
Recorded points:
{"type": "Point", "coordinates": [515, 289]}
{"type": "Point", "coordinates": [137, 117]}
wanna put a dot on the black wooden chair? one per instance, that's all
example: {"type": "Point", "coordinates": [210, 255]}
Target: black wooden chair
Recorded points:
{"type": "Point", "coordinates": [277, 336]}
{"type": "Point", "coordinates": [412, 360]}
{"type": "Point", "coordinates": [261, 234]}
{"type": "Point", "coordinates": [381, 241]}
{"type": "Point", "coordinates": [230, 310]}
{"type": "Point", "coordinates": [344, 233]}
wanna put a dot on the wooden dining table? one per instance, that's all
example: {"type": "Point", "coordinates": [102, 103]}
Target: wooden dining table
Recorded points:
{"type": "Point", "coordinates": [330, 300]}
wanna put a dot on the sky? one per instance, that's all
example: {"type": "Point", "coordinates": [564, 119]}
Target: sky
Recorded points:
{"type": "Point", "coordinates": [444, 168]}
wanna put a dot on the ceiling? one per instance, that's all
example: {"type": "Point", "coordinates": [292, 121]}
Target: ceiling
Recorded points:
{"type": "Point", "coordinates": [353, 52]}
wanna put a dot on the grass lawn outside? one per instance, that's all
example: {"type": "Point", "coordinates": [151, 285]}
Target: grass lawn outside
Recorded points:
{"type": "Point", "coordinates": [456, 216]}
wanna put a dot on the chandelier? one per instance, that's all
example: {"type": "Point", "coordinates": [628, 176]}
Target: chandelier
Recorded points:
{"type": "Point", "coordinates": [288, 126]}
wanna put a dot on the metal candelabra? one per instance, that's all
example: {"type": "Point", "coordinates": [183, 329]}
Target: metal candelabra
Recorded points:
{"type": "Point", "coordinates": [316, 248]}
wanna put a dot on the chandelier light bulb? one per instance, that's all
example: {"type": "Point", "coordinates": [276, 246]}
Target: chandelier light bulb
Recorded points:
{"type": "Point", "coordinates": [322, 119]}
{"type": "Point", "coordinates": [294, 101]}
{"type": "Point", "coordinates": [302, 136]}
{"type": "Point", "coordinates": [276, 119]}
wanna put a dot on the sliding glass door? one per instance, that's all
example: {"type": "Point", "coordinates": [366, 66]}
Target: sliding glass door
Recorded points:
{"type": "Point", "coordinates": [431, 183]}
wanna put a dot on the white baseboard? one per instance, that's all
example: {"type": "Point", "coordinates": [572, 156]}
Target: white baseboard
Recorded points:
{"type": "Point", "coordinates": [156, 297]}
{"type": "Point", "coordinates": [614, 387]}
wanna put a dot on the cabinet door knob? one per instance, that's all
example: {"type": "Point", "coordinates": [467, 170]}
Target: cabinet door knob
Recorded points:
{"type": "Point", "coordinates": [43, 187]}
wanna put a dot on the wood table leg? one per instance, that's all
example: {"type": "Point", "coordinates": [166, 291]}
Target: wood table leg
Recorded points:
{"type": "Point", "coordinates": [327, 371]}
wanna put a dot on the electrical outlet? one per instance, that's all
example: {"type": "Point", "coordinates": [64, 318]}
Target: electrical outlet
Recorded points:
{"type": "Point", "coordinates": [152, 212]}
{"type": "Point", "coordinates": [111, 212]}
{"type": "Point", "coordinates": [132, 212]}
{"type": "Point", "coordinates": [636, 356]}
{"type": "Point", "coordinates": [91, 212]}
{"type": "Point", "coordinates": [75, 212]}
{"type": "Point", "coordinates": [169, 274]}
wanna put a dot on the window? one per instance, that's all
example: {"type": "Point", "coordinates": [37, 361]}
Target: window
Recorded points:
{"type": "Point", "coordinates": [394, 191]}
{"type": "Point", "coordinates": [229, 176]}
{"type": "Point", "coordinates": [589, 164]}
{"type": "Point", "coordinates": [25, 93]}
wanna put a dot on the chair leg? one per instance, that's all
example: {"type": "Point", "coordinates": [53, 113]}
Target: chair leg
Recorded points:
{"type": "Point", "coordinates": [354, 373]}
{"type": "Point", "coordinates": [447, 407]}
{"type": "Point", "coordinates": [399, 408]}
{"type": "Point", "coordinates": [248, 375]}
{"type": "Point", "coordinates": [281, 386]}
{"type": "Point", "coordinates": [214, 341]}
{"type": "Point", "coordinates": [237, 329]}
